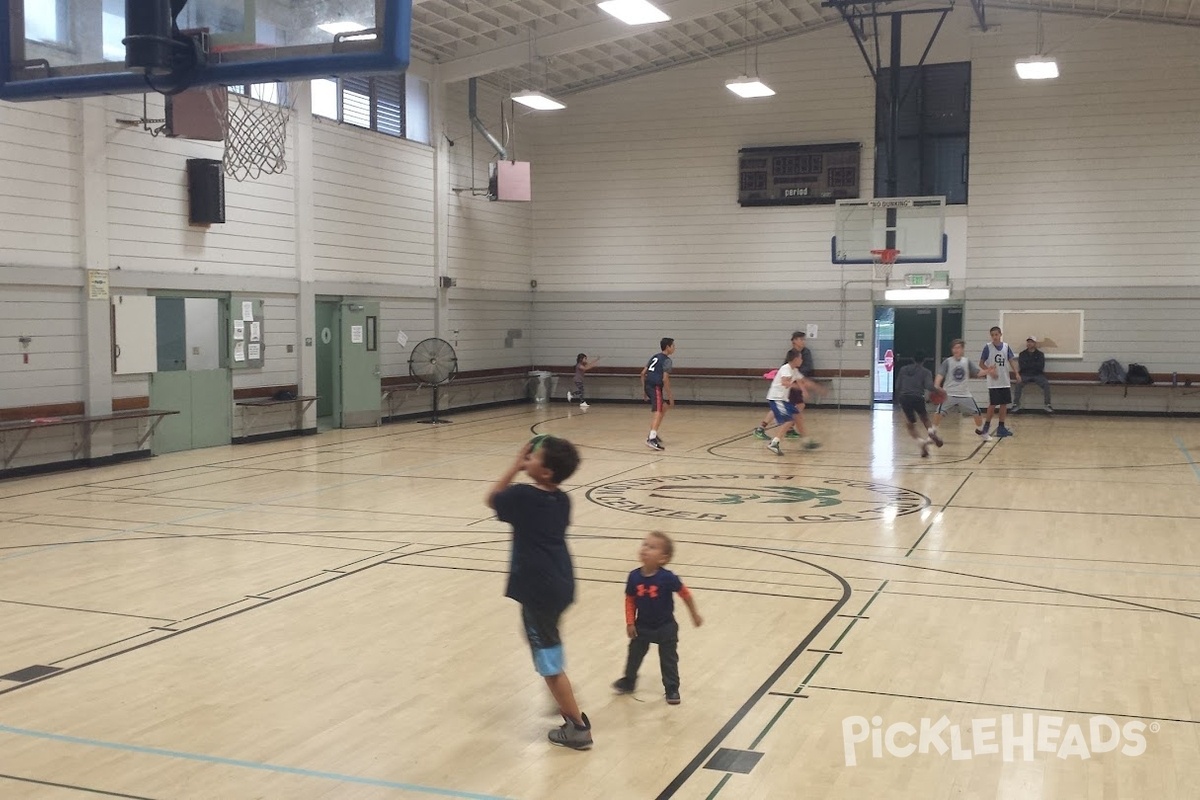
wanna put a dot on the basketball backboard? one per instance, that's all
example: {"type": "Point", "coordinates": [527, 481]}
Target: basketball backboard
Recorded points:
{"type": "Point", "coordinates": [73, 48]}
{"type": "Point", "coordinates": [861, 226]}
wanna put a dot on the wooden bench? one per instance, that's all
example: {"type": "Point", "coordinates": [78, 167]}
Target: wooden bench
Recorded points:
{"type": "Point", "coordinates": [396, 389]}
{"type": "Point", "coordinates": [1094, 392]}
{"type": "Point", "coordinates": [693, 378]}
{"type": "Point", "coordinates": [83, 425]}
{"type": "Point", "coordinates": [253, 407]}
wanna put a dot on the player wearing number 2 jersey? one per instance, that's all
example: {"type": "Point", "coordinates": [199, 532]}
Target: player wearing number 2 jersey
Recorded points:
{"type": "Point", "coordinates": [1000, 363]}
{"type": "Point", "coordinates": [656, 382]}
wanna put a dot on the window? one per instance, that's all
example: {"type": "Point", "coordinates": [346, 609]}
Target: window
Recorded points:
{"type": "Point", "coordinates": [46, 20]}
{"type": "Point", "coordinates": [375, 102]}
{"type": "Point", "coordinates": [112, 30]}
{"type": "Point", "coordinates": [933, 131]}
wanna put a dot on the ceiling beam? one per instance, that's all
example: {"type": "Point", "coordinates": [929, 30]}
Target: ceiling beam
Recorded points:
{"type": "Point", "coordinates": [499, 58]}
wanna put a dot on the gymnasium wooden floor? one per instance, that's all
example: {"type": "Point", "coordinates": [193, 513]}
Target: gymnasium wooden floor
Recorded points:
{"type": "Point", "coordinates": [323, 617]}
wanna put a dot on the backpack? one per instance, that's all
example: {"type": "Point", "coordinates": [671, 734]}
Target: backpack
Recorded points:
{"type": "Point", "coordinates": [1111, 371]}
{"type": "Point", "coordinates": [1138, 375]}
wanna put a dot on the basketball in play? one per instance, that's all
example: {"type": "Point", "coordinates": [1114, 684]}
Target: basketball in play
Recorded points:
{"type": "Point", "coordinates": [937, 396]}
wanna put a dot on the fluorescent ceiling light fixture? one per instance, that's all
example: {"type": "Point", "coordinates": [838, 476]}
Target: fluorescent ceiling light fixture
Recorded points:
{"type": "Point", "coordinates": [341, 26]}
{"type": "Point", "coordinates": [634, 12]}
{"type": "Point", "coordinates": [916, 294]}
{"type": "Point", "coordinates": [744, 86]}
{"type": "Point", "coordinates": [538, 101]}
{"type": "Point", "coordinates": [1038, 68]}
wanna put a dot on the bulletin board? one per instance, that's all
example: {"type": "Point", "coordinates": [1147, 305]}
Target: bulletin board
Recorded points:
{"type": "Point", "coordinates": [247, 344]}
{"type": "Point", "coordinates": [1059, 333]}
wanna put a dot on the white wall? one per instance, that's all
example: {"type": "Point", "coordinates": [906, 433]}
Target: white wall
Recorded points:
{"type": "Point", "coordinates": [1083, 195]}
{"type": "Point", "coordinates": [40, 190]}
{"type": "Point", "coordinates": [1088, 181]}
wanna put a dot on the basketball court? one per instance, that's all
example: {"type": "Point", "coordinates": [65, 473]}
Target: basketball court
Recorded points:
{"type": "Point", "coordinates": [324, 617]}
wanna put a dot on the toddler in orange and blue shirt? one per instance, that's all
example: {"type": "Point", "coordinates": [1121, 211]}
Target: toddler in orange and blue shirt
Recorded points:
{"type": "Point", "coordinates": [650, 615]}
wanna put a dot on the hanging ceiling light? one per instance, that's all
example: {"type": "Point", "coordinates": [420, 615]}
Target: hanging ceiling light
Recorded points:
{"type": "Point", "coordinates": [634, 12]}
{"type": "Point", "coordinates": [539, 101]}
{"type": "Point", "coordinates": [745, 86]}
{"type": "Point", "coordinates": [748, 84]}
{"type": "Point", "coordinates": [1037, 68]}
{"type": "Point", "coordinates": [1040, 67]}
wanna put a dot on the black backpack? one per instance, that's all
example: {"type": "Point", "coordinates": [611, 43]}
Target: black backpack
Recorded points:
{"type": "Point", "coordinates": [1111, 371]}
{"type": "Point", "coordinates": [1138, 375]}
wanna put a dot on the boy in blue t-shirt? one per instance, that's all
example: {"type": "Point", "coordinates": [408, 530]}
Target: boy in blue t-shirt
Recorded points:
{"type": "Point", "coordinates": [650, 615]}
{"type": "Point", "coordinates": [541, 577]}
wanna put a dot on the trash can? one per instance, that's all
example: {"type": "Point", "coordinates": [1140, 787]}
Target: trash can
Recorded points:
{"type": "Point", "coordinates": [539, 385]}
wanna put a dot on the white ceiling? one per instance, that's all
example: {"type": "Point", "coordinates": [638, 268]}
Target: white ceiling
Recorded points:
{"type": "Point", "coordinates": [565, 46]}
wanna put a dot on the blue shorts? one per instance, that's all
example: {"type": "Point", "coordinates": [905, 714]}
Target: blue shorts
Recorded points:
{"type": "Point", "coordinates": [541, 629]}
{"type": "Point", "coordinates": [783, 410]}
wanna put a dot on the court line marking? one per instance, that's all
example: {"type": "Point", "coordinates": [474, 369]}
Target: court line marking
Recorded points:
{"type": "Point", "coordinates": [992, 579]}
{"type": "Point", "coordinates": [323, 580]}
{"type": "Point", "coordinates": [74, 787]}
{"type": "Point", "coordinates": [1002, 705]}
{"type": "Point", "coordinates": [764, 688]}
{"type": "Point", "coordinates": [1188, 456]}
{"type": "Point", "coordinates": [242, 764]}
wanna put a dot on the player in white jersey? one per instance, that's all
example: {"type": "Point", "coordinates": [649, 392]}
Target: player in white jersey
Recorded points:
{"type": "Point", "coordinates": [1002, 361]}
{"type": "Point", "coordinates": [787, 411]}
{"type": "Point", "coordinates": [953, 376]}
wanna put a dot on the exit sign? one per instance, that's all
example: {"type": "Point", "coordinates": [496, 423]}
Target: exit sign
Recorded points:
{"type": "Point", "coordinates": [918, 279]}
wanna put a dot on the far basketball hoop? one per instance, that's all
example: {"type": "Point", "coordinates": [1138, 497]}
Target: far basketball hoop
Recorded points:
{"type": "Point", "coordinates": [885, 259]}
{"type": "Point", "coordinates": [862, 230]}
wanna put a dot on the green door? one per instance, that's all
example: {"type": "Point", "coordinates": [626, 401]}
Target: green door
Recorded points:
{"type": "Point", "coordinates": [172, 391]}
{"type": "Point", "coordinates": [360, 363]}
{"type": "Point", "coordinates": [328, 361]}
{"type": "Point", "coordinates": [212, 407]}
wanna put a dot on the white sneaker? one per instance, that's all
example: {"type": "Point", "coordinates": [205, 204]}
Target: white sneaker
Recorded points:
{"type": "Point", "coordinates": [568, 397]}
{"type": "Point", "coordinates": [584, 405]}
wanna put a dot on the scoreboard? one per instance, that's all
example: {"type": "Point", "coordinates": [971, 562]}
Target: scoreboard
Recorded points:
{"type": "Point", "coordinates": [798, 175]}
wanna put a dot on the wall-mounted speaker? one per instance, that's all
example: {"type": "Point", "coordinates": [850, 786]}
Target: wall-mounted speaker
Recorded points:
{"type": "Point", "coordinates": [206, 191]}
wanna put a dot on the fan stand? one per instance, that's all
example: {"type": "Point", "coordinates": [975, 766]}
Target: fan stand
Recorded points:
{"type": "Point", "coordinates": [435, 420]}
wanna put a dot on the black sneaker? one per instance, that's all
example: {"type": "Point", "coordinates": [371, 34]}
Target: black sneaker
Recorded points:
{"type": "Point", "coordinates": [655, 444]}
{"type": "Point", "coordinates": [571, 735]}
{"type": "Point", "coordinates": [673, 697]}
{"type": "Point", "coordinates": [623, 686]}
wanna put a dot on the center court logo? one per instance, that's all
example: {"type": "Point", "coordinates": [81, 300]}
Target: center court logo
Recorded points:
{"type": "Point", "coordinates": [758, 497]}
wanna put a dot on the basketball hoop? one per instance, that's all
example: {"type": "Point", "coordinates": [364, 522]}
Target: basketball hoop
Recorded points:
{"type": "Point", "coordinates": [256, 130]}
{"type": "Point", "coordinates": [885, 259]}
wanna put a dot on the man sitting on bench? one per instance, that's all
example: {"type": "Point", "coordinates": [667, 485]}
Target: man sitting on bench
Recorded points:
{"type": "Point", "coordinates": [1031, 363]}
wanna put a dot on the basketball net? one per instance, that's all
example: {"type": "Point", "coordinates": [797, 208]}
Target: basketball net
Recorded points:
{"type": "Point", "coordinates": [885, 259]}
{"type": "Point", "coordinates": [256, 130]}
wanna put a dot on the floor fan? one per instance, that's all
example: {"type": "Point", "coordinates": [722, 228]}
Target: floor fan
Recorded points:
{"type": "Point", "coordinates": [433, 363]}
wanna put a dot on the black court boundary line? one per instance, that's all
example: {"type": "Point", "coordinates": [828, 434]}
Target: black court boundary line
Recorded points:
{"type": "Point", "coordinates": [945, 507]}
{"type": "Point", "coordinates": [1002, 705]}
{"type": "Point", "coordinates": [53, 607]}
{"type": "Point", "coordinates": [613, 581]}
{"type": "Point", "coordinates": [74, 787]}
{"type": "Point", "coordinates": [909, 565]}
{"type": "Point", "coordinates": [708, 749]}
{"type": "Point", "coordinates": [329, 580]}
{"type": "Point", "coordinates": [918, 465]}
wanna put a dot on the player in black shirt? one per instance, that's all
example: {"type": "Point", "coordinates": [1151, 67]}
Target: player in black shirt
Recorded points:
{"type": "Point", "coordinates": [541, 577]}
